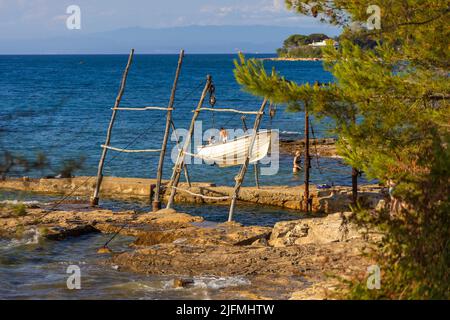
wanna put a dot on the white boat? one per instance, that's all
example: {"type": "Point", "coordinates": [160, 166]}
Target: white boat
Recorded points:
{"type": "Point", "coordinates": [234, 152]}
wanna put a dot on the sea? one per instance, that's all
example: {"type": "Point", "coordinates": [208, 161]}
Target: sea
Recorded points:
{"type": "Point", "coordinates": [60, 106]}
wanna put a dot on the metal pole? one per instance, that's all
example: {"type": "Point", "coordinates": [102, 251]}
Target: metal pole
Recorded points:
{"type": "Point", "coordinates": [156, 201]}
{"type": "Point", "coordinates": [180, 160]}
{"type": "Point", "coordinates": [94, 199]}
{"type": "Point", "coordinates": [241, 175]}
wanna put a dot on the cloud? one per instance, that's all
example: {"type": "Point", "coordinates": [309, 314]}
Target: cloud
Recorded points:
{"type": "Point", "coordinates": [223, 11]}
{"type": "Point", "coordinates": [262, 9]}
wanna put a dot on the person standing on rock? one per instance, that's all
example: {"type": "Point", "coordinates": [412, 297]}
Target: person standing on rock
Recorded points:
{"type": "Point", "coordinates": [297, 163]}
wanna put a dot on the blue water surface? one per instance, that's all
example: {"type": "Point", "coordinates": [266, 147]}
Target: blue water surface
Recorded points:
{"type": "Point", "coordinates": [61, 105]}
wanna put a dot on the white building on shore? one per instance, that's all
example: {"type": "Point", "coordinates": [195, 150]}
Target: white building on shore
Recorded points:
{"type": "Point", "coordinates": [323, 43]}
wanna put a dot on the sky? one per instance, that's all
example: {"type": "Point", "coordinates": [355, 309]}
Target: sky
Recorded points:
{"type": "Point", "coordinates": [25, 19]}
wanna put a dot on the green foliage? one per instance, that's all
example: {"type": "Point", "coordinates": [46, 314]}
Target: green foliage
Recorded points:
{"type": "Point", "coordinates": [390, 104]}
{"type": "Point", "coordinates": [297, 46]}
{"type": "Point", "coordinates": [302, 52]}
{"type": "Point", "coordinates": [69, 166]}
{"type": "Point", "coordinates": [254, 79]}
{"type": "Point", "coordinates": [10, 161]}
{"type": "Point", "coordinates": [297, 40]}
{"type": "Point", "coordinates": [19, 210]}
{"type": "Point", "coordinates": [43, 231]}
{"type": "Point", "coordinates": [20, 230]}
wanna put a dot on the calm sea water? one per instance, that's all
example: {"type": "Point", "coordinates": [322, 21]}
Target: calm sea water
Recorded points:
{"type": "Point", "coordinates": [61, 106]}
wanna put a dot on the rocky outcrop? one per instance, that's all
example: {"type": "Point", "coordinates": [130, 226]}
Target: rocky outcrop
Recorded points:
{"type": "Point", "coordinates": [330, 200]}
{"type": "Point", "coordinates": [291, 257]}
{"type": "Point", "coordinates": [330, 228]}
{"type": "Point", "coordinates": [325, 147]}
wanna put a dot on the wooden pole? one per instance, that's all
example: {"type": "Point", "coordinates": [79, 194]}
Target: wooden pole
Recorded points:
{"type": "Point", "coordinates": [94, 199]}
{"type": "Point", "coordinates": [354, 180]}
{"type": "Point", "coordinates": [156, 200]}
{"type": "Point", "coordinates": [255, 166]}
{"type": "Point", "coordinates": [354, 186]}
{"type": "Point", "coordinates": [180, 160]}
{"type": "Point", "coordinates": [241, 175]}
{"type": "Point", "coordinates": [186, 173]}
{"type": "Point", "coordinates": [306, 200]}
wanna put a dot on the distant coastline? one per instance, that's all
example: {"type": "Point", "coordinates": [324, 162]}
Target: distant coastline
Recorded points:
{"type": "Point", "coordinates": [291, 59]}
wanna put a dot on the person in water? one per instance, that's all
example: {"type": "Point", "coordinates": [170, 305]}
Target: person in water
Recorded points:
{"type": "Point", "coordinates": [223, 135]}
{"type": "Point", "coordinates": [297, 163]}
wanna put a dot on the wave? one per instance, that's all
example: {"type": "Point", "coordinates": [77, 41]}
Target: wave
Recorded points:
{"type": "Point", "coordinates": [291, 132]}
{"type": "Point", "coordinates": [29, 237]}
{"type": "Point", "coordinates": [15, 202]}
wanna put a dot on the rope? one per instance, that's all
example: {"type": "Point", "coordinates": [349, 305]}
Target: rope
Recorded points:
{"type": "Point", "coordinates": [106, 163]}
{"type": "Point", "coordinates": [114, 157]}
{"type": "Point", "coordinates": [212, 101]}
{"type": "Point", "coordinates": [272, 112]}
{"type": "Point", "coordinates": [121, 228]}
{"type": "Point", "coordinates": [190, 92]}
{"type": "Point", "coordinates": [176, 135]}
{"type": "Point", "coordinates": [201, 195]}
{"type": "Point", "coordinates": [230, 110]}
{"type": "Point", "coordinates": [315, 147]}
{"type": "Point", "coordinates": [337, 171]}
{"type": "Point", "coordinates": [142, 108]}
{"type": "Point", "coordinates": [130, 151]}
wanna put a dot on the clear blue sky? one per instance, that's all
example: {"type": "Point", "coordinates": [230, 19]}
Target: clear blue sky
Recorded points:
{"type": "Point", "coordinates": [21, 19]}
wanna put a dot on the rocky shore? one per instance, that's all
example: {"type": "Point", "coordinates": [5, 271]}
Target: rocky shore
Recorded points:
{"type": "Point", "coordinates": [292, 260]}
{"type": "Point", "coordinates": [337, 198]}
{"type": "Point", "coordinates": [321, 147]}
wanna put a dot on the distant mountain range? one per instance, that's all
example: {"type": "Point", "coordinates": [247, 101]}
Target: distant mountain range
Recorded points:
{"type": "Point", "coordinates": [194, 39]}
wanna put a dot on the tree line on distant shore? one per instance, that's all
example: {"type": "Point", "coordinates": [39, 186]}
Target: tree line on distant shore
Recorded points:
{"type": "Point", "coordinates": [299, 46]}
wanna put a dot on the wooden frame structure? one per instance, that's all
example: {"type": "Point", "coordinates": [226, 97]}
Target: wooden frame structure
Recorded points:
{"type": "Point", "coordinates": [184, 151]}
{"type": "Point", "coordinates": [156, 204]}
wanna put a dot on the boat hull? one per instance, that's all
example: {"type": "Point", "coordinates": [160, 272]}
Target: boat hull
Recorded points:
{"type": "Point", "coordinates": [234, 152]}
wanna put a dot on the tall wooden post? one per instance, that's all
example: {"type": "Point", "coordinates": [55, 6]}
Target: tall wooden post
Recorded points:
{"type": "Point", "coordinates": [306, 200]}
{"type": "Point", "coordinates": [354, 179]}
{"type": "Point", "coordinates": [241, 175]}
{"type": "Point", "coordinates": [255, 166]}
{"type": "Point", "coordinates": [180, 160]}
{"type": "Point", "coordinates": [354, 186]}
{"type": "Point", "coordinates": [186, 173]}
{"type": "Point", "coordinates": [94, 199]}
{"type": "Point", "coordinates": [156, 201]}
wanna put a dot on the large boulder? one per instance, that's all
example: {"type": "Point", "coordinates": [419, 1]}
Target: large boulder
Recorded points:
{"type": "Point", "coordinates": [332, 228]}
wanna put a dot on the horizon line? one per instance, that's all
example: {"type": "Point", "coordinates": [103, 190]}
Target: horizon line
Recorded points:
{"type": "Point", "coordinates": [119, 54]}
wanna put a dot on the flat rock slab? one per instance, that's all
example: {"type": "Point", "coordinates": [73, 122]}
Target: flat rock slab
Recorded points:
{"type": "Point", "coordinates": [299, 253]}
{"type": "Point", "coordinates": [329, 200]}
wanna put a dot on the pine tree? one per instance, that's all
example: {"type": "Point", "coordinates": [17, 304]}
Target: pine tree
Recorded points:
{"type": "Point", "coordinates": [390, 105]}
